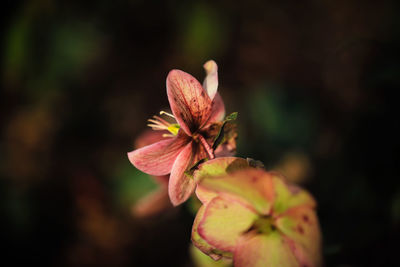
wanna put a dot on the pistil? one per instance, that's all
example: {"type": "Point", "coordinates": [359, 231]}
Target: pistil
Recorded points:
{"type": "Point", "coordinates": [206, 146]}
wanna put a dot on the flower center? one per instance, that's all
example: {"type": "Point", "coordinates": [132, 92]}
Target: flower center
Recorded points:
{"type": "Point", "coordinates": [159, 124]}
{"type": "Point", "coordinates": [263, 225]}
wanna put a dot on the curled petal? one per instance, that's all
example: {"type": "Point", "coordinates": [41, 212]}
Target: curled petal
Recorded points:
{"type": "Point", "coordinates": [158, 158]}
{"type": "Point", "coordinates": [210, 83]}
{"type": "Point", "coordinates": [258, 250]}
{"type": "Point", "coordinates": [218, 109]}
{"type": "Point", "coordinates": [181, 186]}
{"type": "Point", "coordinates": [224, 221]}
{"type": "Point", "coordinates": [189, 102]}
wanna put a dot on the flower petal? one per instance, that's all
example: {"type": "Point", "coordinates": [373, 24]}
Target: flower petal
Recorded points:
{"type": "Point", "coordinates": [210, 83]}
{"type": "Point", "coordinates": [289, 195]}
{"type": "Point", "coordinates": [158, 158]}
{"type": "Point", "coordinates": [189, 102]}
{"type": "Point", "coordinates": [203, 260]}
{"type": "Point", "coordinates": [300, 225]}
{"type": "Point", "coordinates": [252, 186]}
{"type": "Point", "coordinates": [216, 167]}
{"type": "Point", "coordinates": [259, 250]}
{"type": "Point", "coordinates": [161, 180]}
{"type": "Point", "coordinates": [149, 137]}
{"type": "Point", "coordinates": [181, 186]}
{"type": "Point", "coordinates": [202, 244]}
{"type": "Point", "coordinates": [220, 167]}
{"type": "Point", "coordinates": [152, 204]}
{"type": "Point", "coordinates": [218, 109]}
{"type": "Point", "coordinates": [224, 221]}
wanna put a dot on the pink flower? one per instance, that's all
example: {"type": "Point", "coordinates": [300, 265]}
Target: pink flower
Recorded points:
{"type": "Point", "coordinates": [254, 217]}
{"type": "Point", "coordinates": [196, 109]}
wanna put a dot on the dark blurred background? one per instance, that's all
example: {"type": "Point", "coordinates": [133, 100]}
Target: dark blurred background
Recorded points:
{"type": "Point", "coordinates": [314, 83]}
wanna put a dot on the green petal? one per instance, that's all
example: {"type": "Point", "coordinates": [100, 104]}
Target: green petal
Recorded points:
{"type": "Point", "coordinates": [219, 167]}
{"type": "Point", "coordinates": [216, 167]}
{"type": "Point", "coordinates": [300, 224]}
{"type": "Point", "coordinates": [288, 195]}
{"type": "Point", "coordinates": [258, 250]}
{"type": "Point", "coordinates": [202, 244]}
{"type": "Point", "coordinates": [252, 186]}
{"type": "Point", "coordinates": [223, 222]}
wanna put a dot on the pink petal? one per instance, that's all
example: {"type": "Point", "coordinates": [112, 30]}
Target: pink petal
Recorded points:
{"type": "Point", "coordinates": [149, 137]}
{"type": "Point", "coordinates": [218, 110]}
{"type": "Point", "coordinates": [180, 186]}
{"type": "Point", "coordinates": [189, 102]}
{"type": "Point", "coordinates": [300, 226]}
{"type": "Point", "coordinates": [224, 221]}
{"type": "Point", "coordinates": [210, 83]}
{"type": "Point", "coordinates": [259, 250]}
{"type": "Point", "coordinates": [162, 180]}
{"type": "Point", "coordinates": [157, 159]}
{"type": "Point", "coordinates": [153, 203]}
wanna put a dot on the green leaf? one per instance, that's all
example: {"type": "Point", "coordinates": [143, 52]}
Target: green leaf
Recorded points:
{"type": "Point", "coordinates": [220, 136]}
{"type": "Point", "coordinates": [231, 117]}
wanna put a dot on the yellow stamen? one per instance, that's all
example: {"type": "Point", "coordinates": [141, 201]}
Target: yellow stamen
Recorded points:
{"type": "Point", "coordinates": [158, 124]}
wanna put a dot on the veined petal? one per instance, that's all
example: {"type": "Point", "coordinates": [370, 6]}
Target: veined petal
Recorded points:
{"type": "Point", "coordinates": [259, 250]}
{"type": "Point", "coordinates": [210, 83]}
{"type": "Point", "coordinates": [158, 158]}
{"type": "Point", "coordinates": [218, 109]}
{"type": "Point", "coordinates": [180, 186]}
{"type": "Point", "coordinates": [224, 221]}
{"type": "Point", "coordinates": [300, 226]}
{"type": "Point", "coordinates": [189, 102]}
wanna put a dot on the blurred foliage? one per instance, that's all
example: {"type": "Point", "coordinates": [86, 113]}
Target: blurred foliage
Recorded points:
{"type": "Point", "coordinates": [314, 83]}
